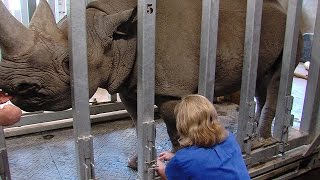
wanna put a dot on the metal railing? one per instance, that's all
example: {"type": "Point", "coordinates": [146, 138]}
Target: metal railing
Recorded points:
{"type": "Point", "coordinates": [287, 138]}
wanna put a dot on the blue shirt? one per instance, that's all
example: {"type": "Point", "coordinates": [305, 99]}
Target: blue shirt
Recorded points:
{"type": "Point", "coordinates": [221, 161]}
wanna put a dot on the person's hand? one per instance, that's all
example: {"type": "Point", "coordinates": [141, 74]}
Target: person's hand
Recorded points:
{"type": "Point", "coordinates": [9, 115]}
{"type": "Point", "coordinates": [166, 156]}
{"type": "Point", "coordinates": [161, 169]}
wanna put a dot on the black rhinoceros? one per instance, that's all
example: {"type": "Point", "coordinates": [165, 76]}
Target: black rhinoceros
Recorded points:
{"type": "Point", "coordinates": [35, 71]}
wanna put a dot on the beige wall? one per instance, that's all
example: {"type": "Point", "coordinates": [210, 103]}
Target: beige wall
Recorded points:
{"type": "Point", "coordinates": [309, 9]}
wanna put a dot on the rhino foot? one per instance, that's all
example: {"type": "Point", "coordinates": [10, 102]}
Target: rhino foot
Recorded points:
{"type": "Point", "coordinates": [263, 142]}
{"type": "Point", "coordinates": [133, 162]}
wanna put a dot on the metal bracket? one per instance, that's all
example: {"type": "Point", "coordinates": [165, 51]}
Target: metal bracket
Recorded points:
{"type": "Point", "coordinates": [288, 119]}
{"type": "Point", "coordinates": [251, 127]}
{"type": "Point", "coordinates": [86, 142]}
{"type": "Point", "coordinates": [150, 150]}
{"type": "Point", "coordinates": [289, 102]}
{"type": "Point", "coordinates": [4, 165]}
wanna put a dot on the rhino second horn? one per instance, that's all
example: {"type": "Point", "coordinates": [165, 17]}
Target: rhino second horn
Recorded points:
{"type": "Point", "coordinates": [15, 38]}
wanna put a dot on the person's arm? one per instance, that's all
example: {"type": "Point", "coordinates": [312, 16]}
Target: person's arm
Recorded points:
{"type": "Point", "coordinates": [9, 115]}
{"type": "Point", "coordinates": [173, 170]}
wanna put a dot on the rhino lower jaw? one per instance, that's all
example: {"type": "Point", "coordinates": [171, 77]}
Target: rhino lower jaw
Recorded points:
{"type": "Point", "coordinates": [39, 104]}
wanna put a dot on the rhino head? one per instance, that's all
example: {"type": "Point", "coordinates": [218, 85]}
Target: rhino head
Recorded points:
{"type": "Point", "coordinates": [34, 69]}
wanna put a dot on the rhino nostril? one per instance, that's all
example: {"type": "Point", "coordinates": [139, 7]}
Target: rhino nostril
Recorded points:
{"type": "Point", "coordinates": [25, 87]}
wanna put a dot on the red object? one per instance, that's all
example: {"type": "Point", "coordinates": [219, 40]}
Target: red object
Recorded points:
{"type": "Point", "coordinates": [4, 98]}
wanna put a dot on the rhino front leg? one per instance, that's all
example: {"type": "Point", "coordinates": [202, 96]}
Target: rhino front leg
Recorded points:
{"type": "Point", "coordinates": [166, 109]}
{"type": "Point", "coordinates": [269, 109]}
{"type": "Point", "coordinates": [130, 104]}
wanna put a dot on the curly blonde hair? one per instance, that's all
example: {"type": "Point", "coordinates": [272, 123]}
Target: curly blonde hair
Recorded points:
{"type": "Point", "coordinates": [198, 123]}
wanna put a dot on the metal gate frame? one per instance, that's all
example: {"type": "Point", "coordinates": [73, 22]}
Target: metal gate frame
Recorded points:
{"type": "Point", "coordinates": [298, 149]}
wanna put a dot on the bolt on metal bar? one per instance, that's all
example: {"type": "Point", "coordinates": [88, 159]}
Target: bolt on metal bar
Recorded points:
{"type": "Point", "coordinates": [79, 83]}
{"type": "Point", "coordinates": [146, 85]}
{"type": "Point", "coordinates": [208, 47]}
{"type": "Point", "coordinates": [312, 96]}
{"type": "Point", "coordinates": [249, 74]}
{"type": "Point", "coordinates": [284, 102]}
{"type": "Point", "coordinates": [4, 162]}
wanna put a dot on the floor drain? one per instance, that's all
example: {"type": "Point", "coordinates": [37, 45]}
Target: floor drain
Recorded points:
{"type": "Point", "coordinates": [47, 137]}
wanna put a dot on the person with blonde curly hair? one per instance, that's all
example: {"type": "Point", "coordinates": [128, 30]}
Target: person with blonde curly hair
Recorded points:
{"type": "Point", "coordinates": [208, 151]}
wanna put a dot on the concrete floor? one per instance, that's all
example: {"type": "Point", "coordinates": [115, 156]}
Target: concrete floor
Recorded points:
{"type": "Point", "coordinates": [50, 155]}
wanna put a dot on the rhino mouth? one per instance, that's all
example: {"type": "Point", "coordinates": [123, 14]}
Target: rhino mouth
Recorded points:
{"type": "Point", "coordinates": [30, 102]}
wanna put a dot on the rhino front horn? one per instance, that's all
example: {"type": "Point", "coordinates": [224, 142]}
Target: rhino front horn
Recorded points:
{"type": "Point", "coordinates": [15, 38]}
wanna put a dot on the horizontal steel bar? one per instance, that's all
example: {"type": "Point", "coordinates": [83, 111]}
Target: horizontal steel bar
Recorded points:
{"type": "Point", "coordinates": [52, 116]}
{"type": "Point", "coordinates": [277, 162]}
{"type": "Point", "coordinates": [66, 123]}
{"type": "Point", "coordinates": [264, 154]}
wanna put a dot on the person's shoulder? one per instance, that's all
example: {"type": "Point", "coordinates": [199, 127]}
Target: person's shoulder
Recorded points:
{"type": "Point", "coordinates": [228, 147]}
{"type": "Point", "coordinates": [187, 153]}
{"type": "Point", "coordinates": [230, 139]}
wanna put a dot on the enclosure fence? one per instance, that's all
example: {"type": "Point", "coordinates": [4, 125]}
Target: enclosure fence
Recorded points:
{"type": "Point", "coordinates": [298, 149]}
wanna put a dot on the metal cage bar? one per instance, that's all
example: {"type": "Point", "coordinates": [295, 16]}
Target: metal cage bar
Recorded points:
{"type": "Point", "coordinates": [80, 94]}
{"type": "Point", "coordinates": [24, 12]}
{"type": "Point", "coordinates": [247, 124]}
{"type": "Point", "coordinates": [27, 10]}
{"type": "Point", "coordinates": [284, 103]}
{"type": "Point", "coordinates": [4, 162]}
{"type": "Point", "coordinates": [208, 47]}
{"type": "Point", "coordinates": [146, 85]}
{"type": "Point", "coordinates": [312, 97]}
{"type": "Point", "coordinates": [32, 4]}
{"type": "Point", "coordinates": [54, 4]}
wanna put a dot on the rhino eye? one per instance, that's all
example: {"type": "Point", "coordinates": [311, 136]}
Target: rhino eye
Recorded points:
{"type": "Point", "coordinates": [65, 65]}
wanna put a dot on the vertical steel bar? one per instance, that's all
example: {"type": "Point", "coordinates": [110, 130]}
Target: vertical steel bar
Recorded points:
{"type": "Point", "coordinates": [114, 97]}
{"type": "Point", "coordinates": [312, 96]}
{"type": "Point", "coordinates": [32, 4]}
{"type": "Point", "coordinates": [247, 124]}
{"type": "Point", "coordinates": [79, 84]}
{"type": "Point", "coordinates": [24, 12]}
{"type": "Point", "coordinates": [4, 162]}
{"type": "Point", "coordinates": [284, 102]}
{"type": "Point", "coordinates": [208, 47]}
{"type": "Point", "coordinates": [146, 76]}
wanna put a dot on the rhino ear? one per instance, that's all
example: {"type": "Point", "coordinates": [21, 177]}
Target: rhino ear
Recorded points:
{"type": "Point", "coordinates": [44, 21]}
{"type": "Point", "coordinates": [129, 26]}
